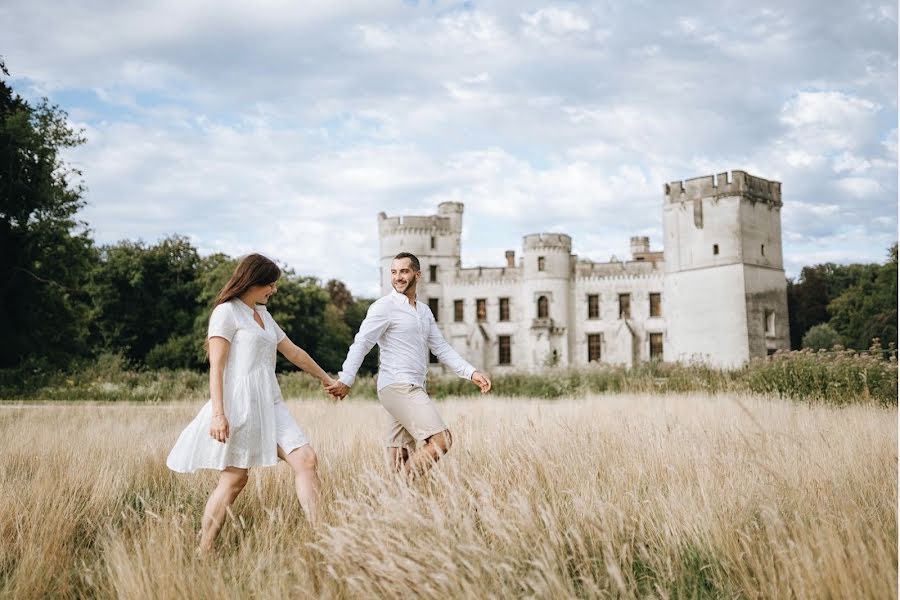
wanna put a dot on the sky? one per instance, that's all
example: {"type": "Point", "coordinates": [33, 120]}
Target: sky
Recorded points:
{"type": "Point", "coordinates": [285, 127]}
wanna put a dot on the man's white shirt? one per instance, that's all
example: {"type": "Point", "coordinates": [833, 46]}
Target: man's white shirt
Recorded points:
{"type": "Point", "coordinates": [404, 336]}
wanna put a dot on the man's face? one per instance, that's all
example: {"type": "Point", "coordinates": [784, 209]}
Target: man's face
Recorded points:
{"type": "Point", "coordinates": [403, 275]}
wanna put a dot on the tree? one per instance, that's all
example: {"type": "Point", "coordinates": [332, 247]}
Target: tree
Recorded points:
{"type": "Point", "coordinates": [45, 252]}
{"type": "Point", "coordinates": [868, 309]}
{"type": "Point", "coordinates": [816, 287]}
{"type": "Point", "coordinates": [146, 301]}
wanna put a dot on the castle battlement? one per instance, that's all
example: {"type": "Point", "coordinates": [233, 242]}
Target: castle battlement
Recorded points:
{"type": "Point", "coordinates": [414, 224]}
{"type": "Point", "coordinates": [632, 268]}
{"type": "Point", "coordinates": [487, 275]}
{"type": "Point", "coordinates": [735, 183]}
{"type": "Point", "coordinates": [547, 241]}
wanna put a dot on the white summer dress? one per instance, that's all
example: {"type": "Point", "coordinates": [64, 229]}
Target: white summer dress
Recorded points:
{"type": "Point", "coordinates": [258, 418]}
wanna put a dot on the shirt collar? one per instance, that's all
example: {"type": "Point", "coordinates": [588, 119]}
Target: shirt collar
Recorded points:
{"type": "Point", "coordinates": [398, 297]}
{"type": "Point", "coordinates": [247, 309]}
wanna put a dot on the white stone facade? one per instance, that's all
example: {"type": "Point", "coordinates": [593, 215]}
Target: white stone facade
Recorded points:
{"type": "Point", "coordinates": [716, 294]}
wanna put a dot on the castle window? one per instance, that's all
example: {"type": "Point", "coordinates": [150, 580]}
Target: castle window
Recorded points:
{"type": "Point", "coordinates": [624, 306]}
{"type": "Point", "coordinates": [543, 307]}
{"type": "Point", "coordinates": [656, 346]}
{"type": "Point", "coordinates": [458, 311]}
{"type": "Point", "coordinates": [432, 359]}
{"type": "Point", "coordinates": [594, 341]}
{"type": "Point", "coordinates": [762, 249]}
{"type": "Point", "coordinates": [593, 306]}
{"type": "Point", "coordinates": [481, 310]}
{"type": "Point", "coordinates": [504, 347]}
{"type": "Point", "coordinates": [655, 305]}
{"type": "Point", "coordinates": [540, 263]}
{"type": "Point", "coordinates": [433, 242]}
{"type": "Point", "coordinates": [504, 309]}
{"type": "Point", "coordinates": [432, 273]}
{"type": "Point", "coordinates": [433, 305]}
{"type": "Point", "coordinates": [715, 249]}
{"type": "Point", "coordinates": [769, 322]}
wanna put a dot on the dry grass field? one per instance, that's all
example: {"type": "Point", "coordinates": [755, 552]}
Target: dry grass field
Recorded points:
{"type": "Point", "coordinates": [610, 496]}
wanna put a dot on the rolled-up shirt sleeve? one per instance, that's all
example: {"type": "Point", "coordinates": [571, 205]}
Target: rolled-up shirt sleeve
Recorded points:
{"type": "Point", "coordinates": [446, 354]}
{"type": "Point", "coordinates": [376, 321]}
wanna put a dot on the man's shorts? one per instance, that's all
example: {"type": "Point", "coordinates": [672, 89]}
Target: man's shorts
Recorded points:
{"type": "Point", "coordinates": [410, 415]}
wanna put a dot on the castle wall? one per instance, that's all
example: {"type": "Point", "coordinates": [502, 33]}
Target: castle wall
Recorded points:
{"type": "Point", "coordinates": [623, 340]}
{"type": "Point", "coordinates": [707, 316]}
{"type": "Point", "coordinates": [765, 290]}
{"type": "Point", "coordinates": [477, 341]}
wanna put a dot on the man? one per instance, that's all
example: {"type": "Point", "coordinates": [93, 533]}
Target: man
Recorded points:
{"type": "Point", "coordinates": [405, 330]}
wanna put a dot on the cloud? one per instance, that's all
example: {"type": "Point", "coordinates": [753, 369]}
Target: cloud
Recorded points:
{"type": "Point", "coordinates": [285, 127]}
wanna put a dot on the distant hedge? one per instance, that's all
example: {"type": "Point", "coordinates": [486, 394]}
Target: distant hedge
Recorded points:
{"type": "Point", "coordinates": [834, 377]}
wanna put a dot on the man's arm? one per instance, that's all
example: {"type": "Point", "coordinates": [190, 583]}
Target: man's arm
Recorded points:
{"type": "Point", "coordinates": [446, 354]}
{"type": "Point", "coordinates": [376, 322]}
{"type": "Point", "coordinates": [450, 357]}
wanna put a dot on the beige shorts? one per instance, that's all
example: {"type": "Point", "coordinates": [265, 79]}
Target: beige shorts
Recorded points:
{"type": "Point", "coordinates": [410, 415]}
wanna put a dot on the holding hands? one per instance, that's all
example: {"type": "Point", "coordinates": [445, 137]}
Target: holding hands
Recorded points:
{"type": "Point", "coordinates": [338, 389]}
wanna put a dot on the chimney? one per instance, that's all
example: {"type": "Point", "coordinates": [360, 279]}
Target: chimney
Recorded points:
{"type": "Point", "coordinates": [510, 258]}
{"type": "Point", "coordinates": [639, 245]}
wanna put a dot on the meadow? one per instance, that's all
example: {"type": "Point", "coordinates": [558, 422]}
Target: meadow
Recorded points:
{"type": "Point", "coordinates": [658, 495]}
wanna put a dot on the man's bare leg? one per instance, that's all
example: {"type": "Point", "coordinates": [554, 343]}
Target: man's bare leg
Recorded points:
{"type": "Point", "coordinates": [397, 458]}
{"type": "Point", "coordinates": [424, 458]}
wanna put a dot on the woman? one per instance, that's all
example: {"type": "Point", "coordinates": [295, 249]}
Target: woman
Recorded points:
{"type": "Point", "coordinates": [246, 422]}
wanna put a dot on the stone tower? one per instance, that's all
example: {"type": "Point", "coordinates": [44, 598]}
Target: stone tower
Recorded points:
{"type": "Point", "coordinates": [546, 296]}
{"type": "Point", "coordinates": [434, 239]}
{"type": "Point", "coordinates": [725, 290]}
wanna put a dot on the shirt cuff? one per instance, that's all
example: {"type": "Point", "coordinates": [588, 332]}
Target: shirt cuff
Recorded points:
{"type": "Point", "coordinates": [468, 372]}
{"type": "Point", "coordinates": [346, 379]}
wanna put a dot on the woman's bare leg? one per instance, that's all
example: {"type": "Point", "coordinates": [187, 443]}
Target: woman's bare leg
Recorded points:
{"type": "Point", "coordinates": [305, 464]}
{"type": "Point", "coordinates": [231, 481]}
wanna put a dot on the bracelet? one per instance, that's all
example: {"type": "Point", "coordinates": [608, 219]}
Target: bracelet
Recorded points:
{"type": "Point", "coordinates": [218, 415]}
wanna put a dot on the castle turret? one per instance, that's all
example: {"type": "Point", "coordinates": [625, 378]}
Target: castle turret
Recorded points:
{"type": "Point", "coordinates": [725, 291]}
{"type": "Point", "coordinates": [547, 270]}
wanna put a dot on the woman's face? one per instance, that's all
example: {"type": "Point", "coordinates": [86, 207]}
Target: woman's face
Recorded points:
{"type": "Point", "coordinates": [260, 294]}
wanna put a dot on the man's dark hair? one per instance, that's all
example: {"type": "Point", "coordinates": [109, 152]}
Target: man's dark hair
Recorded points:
{"type": "Point", "coordinates": [412, 259]}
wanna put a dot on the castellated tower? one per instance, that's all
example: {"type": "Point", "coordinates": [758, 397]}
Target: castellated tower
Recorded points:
{"type": "Point", "coordinates": [434, 239]}
{"type": "Point", "coordinates": [547, 273]}
{"type": "Point", "coordinates": [725, 288]}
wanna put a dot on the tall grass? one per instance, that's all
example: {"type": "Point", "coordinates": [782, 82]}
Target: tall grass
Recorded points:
{"type": "Point", "coordinates": [835, 377]}
{"type": "Point", "coordinates": [680, 496]}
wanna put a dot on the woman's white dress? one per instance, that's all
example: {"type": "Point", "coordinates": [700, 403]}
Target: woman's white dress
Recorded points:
{"type": "Point", "coordinates": [257, 415]}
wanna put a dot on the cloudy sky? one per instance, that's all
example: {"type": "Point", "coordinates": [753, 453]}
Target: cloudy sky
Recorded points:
{"type": "Point", "coordinates": [285, 127]}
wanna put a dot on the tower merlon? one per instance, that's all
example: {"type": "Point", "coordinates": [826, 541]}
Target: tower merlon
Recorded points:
{"type": "Point", "coordinates": [559, 241]}
{"type": "Point", "coordinates": [735, 183]}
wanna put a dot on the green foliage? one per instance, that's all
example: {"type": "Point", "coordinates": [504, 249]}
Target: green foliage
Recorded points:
{"type": "Point", "coordinates": [867, 309]}
{"type": "Point", "coordinates": [859, 301]}
{"type": "Point", "coordinates": [44, 250]}
{"type": "Point", "coordinates": [821, 337]}
{"type": "Point", "coordinates": [146, 301]}
{"type": "Point", "coordinates": [841, 377]}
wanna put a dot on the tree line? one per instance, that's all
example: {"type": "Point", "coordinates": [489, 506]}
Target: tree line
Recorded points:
{"type": "Point", "coordinates": [65, 300]}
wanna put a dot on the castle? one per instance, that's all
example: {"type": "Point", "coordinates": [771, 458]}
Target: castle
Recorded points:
{"type": "Point", "coordinates": [715, 294]}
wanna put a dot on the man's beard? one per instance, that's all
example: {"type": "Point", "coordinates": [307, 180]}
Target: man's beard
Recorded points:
{"type": "Point", "coordinates": [409, 285]}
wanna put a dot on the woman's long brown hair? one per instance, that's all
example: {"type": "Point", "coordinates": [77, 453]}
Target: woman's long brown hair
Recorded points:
{"type": "Point", "coordinates": [253, 269]}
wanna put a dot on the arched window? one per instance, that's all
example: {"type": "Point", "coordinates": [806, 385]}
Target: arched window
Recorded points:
{"type": "Point", "coordinates": [543, 307]}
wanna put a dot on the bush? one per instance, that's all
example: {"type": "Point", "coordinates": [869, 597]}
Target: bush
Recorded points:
{"type": "Point", "coordinates": [821, 337]}
{"type": "Point", "coordinates": [835, 377]}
